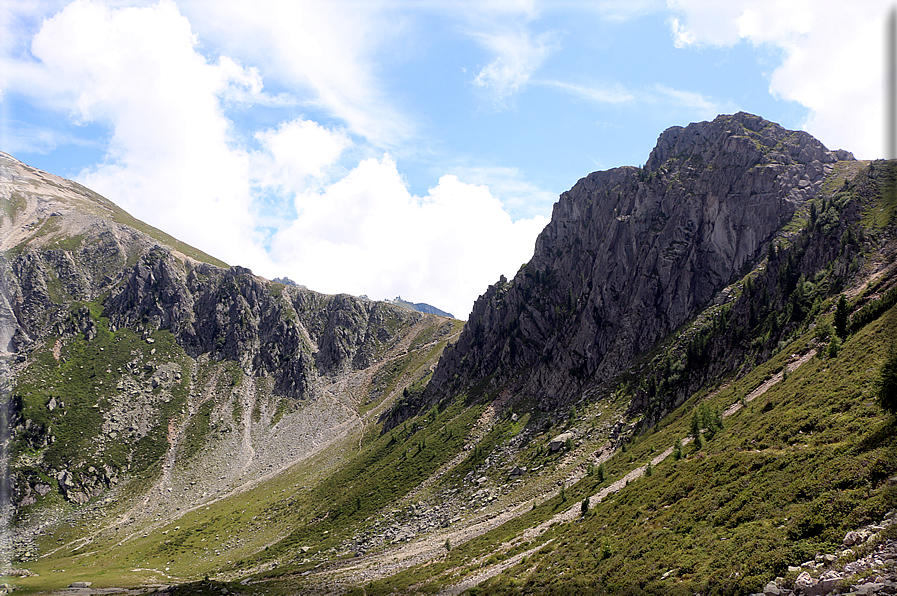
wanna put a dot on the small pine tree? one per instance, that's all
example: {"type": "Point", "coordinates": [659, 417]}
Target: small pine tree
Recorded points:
{"type": "Point", "coordinates": [677, 451]}
{"type": "Point", "coordinates": [648, 469]}
{"type": "Point", "coordinates": [601, 473]}
{"type": "Point", "coordinates": [834, 346]}
{"type": "Point", "coordinates": [584, 506]}
{"type": "Point", "coordinates": [563, 493]}
{"type": "Point", "coordinates": [841, 317]}
{"type": "Point", "coordinates": [886, 384]}
{"type": "Point", "coordinates": [448, 545]}
{"type": "Point", "coordinates": [695, 425]}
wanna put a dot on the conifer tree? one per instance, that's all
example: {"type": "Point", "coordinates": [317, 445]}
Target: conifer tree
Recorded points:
{"type": "Point", "coordinates": [841, 317]}
{"type": "Point", "coordinates": [886, 384]}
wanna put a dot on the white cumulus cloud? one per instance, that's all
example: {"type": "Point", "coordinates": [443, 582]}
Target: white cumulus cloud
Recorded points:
{"type": "Point", "coordinates": [832, 58]}
{"type": "Point", "coordinates": [444, 248]}
{"type": "Point", "coordinates": [282, 199]}
{"type": "Point", "coordinates": [169, 156]}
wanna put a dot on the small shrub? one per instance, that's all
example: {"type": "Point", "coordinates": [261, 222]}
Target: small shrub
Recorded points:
{"type": "Point", "coordinates": [834, 346]}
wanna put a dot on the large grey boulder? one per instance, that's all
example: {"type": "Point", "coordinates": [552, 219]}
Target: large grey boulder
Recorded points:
{"type": "Point", "coordinates": [558, 442]}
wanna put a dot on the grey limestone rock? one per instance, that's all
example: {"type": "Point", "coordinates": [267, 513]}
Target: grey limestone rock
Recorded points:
{"type": "Point", "coordinates": [557, 443]}
{"type": "Point", "coordinates": [632, 253]}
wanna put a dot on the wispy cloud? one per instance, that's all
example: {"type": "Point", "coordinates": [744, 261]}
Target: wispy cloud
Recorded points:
{"type": "Point", "coordinates": [697, 102]}
{"type": "Point", "coordinates": [616, 93]}
{"type": "Point", "coordinates": [520, 197]}
{"type": "Point", "coordinates": [323, 54]}
{"type": "Point", "coordinates": [682, 36]}
{"type": "Point", "coordinates": [518, 54]}
{"type": "Point", "coordinates": [21, 137]}
{"type": "Point", "coordinates": [658, 93]}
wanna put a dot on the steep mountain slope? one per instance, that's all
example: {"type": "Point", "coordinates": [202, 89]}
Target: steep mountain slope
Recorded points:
{"type": "Point", "coordinates": [631, 254]}
{"type": "Point", "coordinates": [144, 376]}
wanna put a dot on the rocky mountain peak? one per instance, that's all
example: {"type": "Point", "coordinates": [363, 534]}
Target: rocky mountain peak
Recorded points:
{"type": "Point", "coordinates": [742, 140]}
{"type": "Point", "coordinates": [632, 253]}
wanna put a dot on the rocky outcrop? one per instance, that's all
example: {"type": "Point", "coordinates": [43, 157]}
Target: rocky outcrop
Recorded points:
{"type": "Point", "coordinates": [865, 564]}
{"type": "Point", "coordinates": [286, 332]}
{"type": "Point", "coordinates": [631, 254]}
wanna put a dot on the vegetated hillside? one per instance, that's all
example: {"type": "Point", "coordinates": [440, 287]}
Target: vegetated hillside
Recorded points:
{"type": "Point", "coordinates": [754, 441]}
{"type": "Point", "coordinates": [144, 377]}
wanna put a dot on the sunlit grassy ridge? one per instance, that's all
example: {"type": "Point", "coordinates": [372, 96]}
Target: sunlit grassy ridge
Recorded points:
{"type": "Point", "coordinates": [786, 478]}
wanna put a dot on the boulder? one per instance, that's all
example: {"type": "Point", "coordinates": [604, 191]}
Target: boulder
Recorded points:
{"type": "Point", "coordinates": [558, 442]}
{"type": "Point", "coordinates": [805, 582]}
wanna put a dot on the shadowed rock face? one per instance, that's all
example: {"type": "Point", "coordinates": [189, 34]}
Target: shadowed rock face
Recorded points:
{"type": "Point", "coordinates": [293, 335]}
{"type": "Point", "coordinates": [631, 253]}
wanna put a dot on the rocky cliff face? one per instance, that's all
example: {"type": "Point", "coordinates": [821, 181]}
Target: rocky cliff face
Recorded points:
{"type": "Point", "coordinates": [288, 333]}
{"type": "Point", "coordinates": [631, 254]}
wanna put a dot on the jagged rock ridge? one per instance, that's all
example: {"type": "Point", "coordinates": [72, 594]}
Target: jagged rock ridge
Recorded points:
{"type": "Point", "coordinates": [421, 307]}
{"type": "Point", "coordinates": [632, 253]}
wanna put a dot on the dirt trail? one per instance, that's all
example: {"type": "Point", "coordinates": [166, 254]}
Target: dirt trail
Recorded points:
{"type": "Point", "coordinates": [389, 562]}
{"type": "Point", "coordinates": [766, 385]}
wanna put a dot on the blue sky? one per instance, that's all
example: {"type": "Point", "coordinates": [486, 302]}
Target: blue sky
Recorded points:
{"type": "Point", "coordinates": [403, 147]}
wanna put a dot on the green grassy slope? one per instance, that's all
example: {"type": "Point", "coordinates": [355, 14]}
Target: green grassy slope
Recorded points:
{"type": "Point", "coordinates": [787, 476]}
